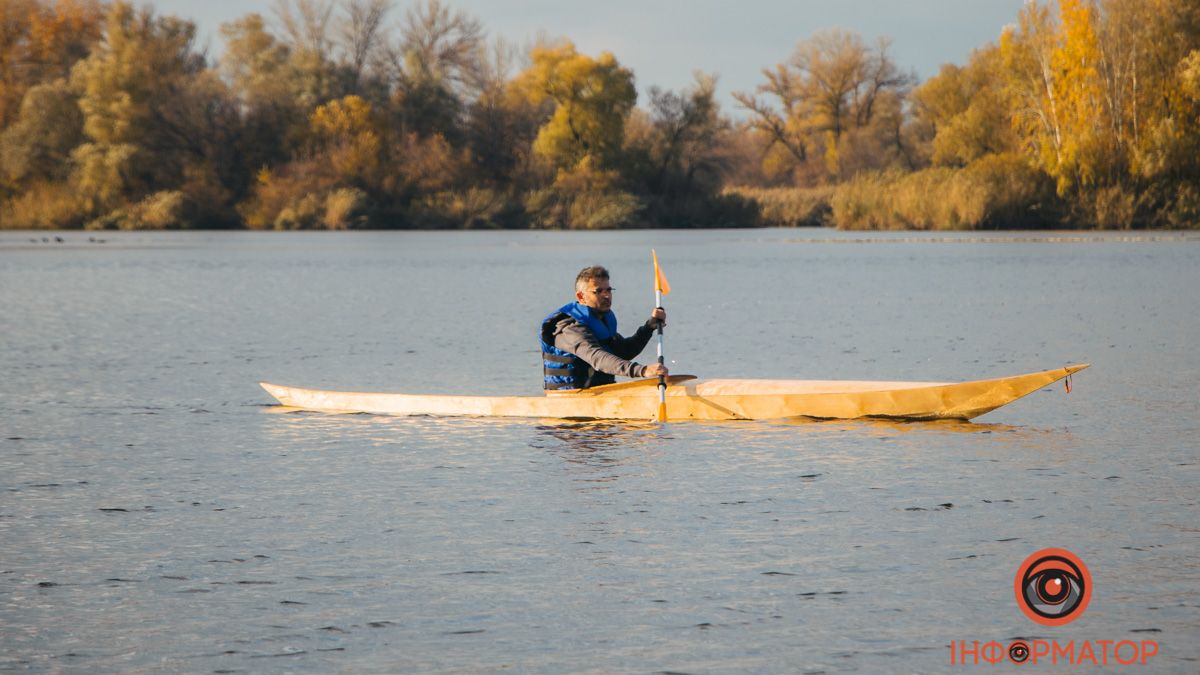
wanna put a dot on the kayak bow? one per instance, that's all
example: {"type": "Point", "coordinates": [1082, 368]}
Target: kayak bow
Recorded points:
{"type": "Point", "coordinates": [691, 399]}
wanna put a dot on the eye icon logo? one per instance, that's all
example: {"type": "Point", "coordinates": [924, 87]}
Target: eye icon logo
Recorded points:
{"type": "Point", "coordinates": [1053, 587]}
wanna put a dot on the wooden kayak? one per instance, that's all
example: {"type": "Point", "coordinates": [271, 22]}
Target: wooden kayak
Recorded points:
{"type": "Point", "coordinates": [691, 399]}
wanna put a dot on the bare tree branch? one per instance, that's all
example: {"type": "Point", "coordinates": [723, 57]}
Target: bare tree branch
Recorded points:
{"type": "Point", "coordinates": [360, 31]}
{"type": "Point", "coordinates": [306, 23]}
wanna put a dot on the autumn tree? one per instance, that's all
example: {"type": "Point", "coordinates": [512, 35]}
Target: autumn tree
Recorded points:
{"type": "Point", "coordinates": [834, 86]}
{"type": "Point", "coordinates": [39, 42]}
{"type": "Point", "coordinates": [962, 113]}
{"type": "Point", "coordinates": [591, 100]}
{"type": "Point", "coordinates": [361, 35]}
{"type": "Point", "coordinates": [501, 124]}
{"type": "Point", "coordinates": [154, 117]}
{"type": "Point", "coordinates": [431, 66]}
{"type": "Point", "coordinates": [337, 45]}
{"type": "Point", "coordinates": [335, 184]}
{"type": "Point", "coordinates": [308, 32]}
{"type": "Point", "coordinates": [1098, 100]}
{"type": "Point", "coordinates": [281, 77]}
{"type": "Point", "coordinates": [683, 138]}
{"type": "Point", "coordinates": [347, 133]}
{"type": "Point", "coordinates": [678, 156]}
{"type": "Point", "coordinates": [1085, 154]}
{"type": "Point", "coordinates": [15, 20]}
{"type": "Point", "coordinates": [273, 99]}
{"type": "Point", "coordinates": [1163, 118]}
{"type": "Point", "coordinates": [1189, 76]}
{"type": "Point", "coordinates": [37, 147]}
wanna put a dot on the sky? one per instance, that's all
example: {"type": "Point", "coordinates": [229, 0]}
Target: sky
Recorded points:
{"type": "Point", "coordinates": [665, 41]}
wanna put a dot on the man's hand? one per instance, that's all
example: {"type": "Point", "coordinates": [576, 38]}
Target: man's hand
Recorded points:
{"type": "Point", "coordinates": [658, 317]}
{"type": "Point", "coordinates": [654, 370]}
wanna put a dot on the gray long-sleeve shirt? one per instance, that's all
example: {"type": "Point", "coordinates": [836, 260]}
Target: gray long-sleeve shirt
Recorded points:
{"type": "Point", "coordinates": [572, 336]}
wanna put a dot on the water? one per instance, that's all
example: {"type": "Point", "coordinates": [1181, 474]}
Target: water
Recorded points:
{"type": "Point", "coordinates": [157, 514]}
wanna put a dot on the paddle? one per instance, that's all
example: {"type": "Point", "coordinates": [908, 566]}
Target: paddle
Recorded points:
{"type": "Point", "coordinates": [661, 287]}
{"type": "Point", "coordinates": [619, 386]}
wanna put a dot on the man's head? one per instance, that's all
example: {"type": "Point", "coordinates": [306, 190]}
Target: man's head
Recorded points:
{"type": "Point", "coordinates": [592, 288]}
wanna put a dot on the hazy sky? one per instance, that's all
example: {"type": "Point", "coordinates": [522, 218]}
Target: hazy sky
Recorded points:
{"type": "Point", "coordinates": [664, 41]}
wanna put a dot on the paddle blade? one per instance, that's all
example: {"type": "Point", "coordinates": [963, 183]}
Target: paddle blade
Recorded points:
{"type": "Point", "coordinates": [662, 411]}
{"type": "Point", "coordinates": [660, 279]}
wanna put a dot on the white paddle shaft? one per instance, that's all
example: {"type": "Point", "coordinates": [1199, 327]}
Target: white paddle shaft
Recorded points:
{"type": "Point", "coordinates": [662, 381]}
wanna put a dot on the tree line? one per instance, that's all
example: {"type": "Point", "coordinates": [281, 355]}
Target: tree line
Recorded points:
{"type": "Point", "coordinates": [357, 113]}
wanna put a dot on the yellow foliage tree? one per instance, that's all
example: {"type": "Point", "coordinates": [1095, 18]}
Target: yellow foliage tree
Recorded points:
{"type": "Point", "coordinates": [39, 41]}
{"type": "Point", "coordinates": [347, 130]}
{"type": "Point", "coordinates": [965, 111]}
{"type": "Point", "coordinates": [1097, 91]}
{"type": "Point", "coordinates": [1189, 75]}
{"type": "Point", "coordinates": [1029, 80]}
{"type": "Point", "coordinates": [1082, 158]}
{"type": "Point", "coordinates": [127, 88]}
{"type": "Point", "coordinates": [592, 99]}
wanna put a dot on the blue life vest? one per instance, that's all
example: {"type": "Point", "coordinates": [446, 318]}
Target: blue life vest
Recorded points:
{"type": "Point", "coordinates": [564, 370]}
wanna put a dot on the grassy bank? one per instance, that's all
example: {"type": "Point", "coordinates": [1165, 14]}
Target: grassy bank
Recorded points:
{"type": "Point", "coordinates": [995, 192]}
{"type": "Point", "coordinates": [786, 206]}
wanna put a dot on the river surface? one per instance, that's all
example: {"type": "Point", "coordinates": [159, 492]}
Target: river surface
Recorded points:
{"type": "Point", "coordinates": [158, 513]}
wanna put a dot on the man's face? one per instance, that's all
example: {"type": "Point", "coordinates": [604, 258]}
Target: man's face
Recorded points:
{"type": "Point", "coordinates": [598, 295]}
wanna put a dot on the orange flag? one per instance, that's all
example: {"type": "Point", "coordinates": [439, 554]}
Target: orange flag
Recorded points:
{"type": "Point", "coordinates": [660, 279]}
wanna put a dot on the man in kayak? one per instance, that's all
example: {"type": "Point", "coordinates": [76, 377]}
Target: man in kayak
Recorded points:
{"type": "Point", "coordinates": [581, 347]}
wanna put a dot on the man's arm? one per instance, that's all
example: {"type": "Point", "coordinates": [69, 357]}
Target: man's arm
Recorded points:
{"type": "Point", "coordinates": [574, 337]}
{"type": "Point", "coordinates": [630, 347]}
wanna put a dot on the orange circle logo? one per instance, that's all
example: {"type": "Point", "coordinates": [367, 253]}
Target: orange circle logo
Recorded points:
{"type": "Point", "coordinates": [1053, 587]}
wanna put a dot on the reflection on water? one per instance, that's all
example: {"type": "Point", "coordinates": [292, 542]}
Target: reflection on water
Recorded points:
{"type": "Point", "coordinates": [893, 426]}
{"type": "Point", "coordinates": [603, 431]}
{"type": "Point", "coordinates": [609, 444]}
{"type": "Point", "coordinates": [601, 449]}
{"type": "Point", "coordinates": [595, 435]}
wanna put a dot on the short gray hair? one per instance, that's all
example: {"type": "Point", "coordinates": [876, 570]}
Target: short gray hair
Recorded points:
{"type": "Point", "coordinates": [588, 274]}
